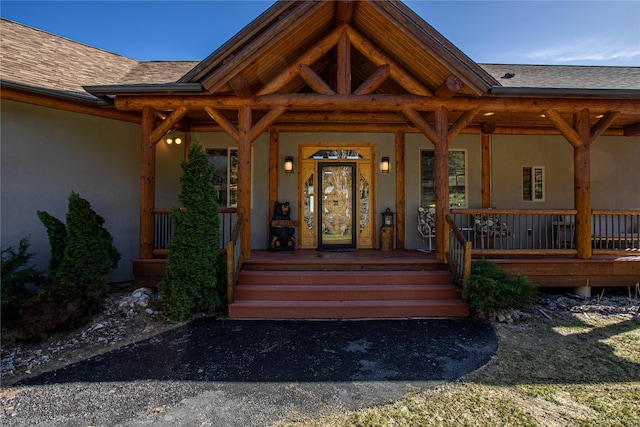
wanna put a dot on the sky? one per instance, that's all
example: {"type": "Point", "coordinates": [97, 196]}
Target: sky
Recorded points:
{"type": "Point", "coordinates": [577, 32]}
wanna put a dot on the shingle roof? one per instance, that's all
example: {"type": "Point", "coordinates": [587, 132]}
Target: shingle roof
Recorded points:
{"type": "Point", "coordinates": [565, 76]}
{"type": "Point", "coordinates": [32, 57]}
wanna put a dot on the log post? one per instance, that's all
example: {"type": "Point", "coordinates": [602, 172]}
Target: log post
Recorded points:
{"type": "Point", "coordinates": [400, 190]}
{"type": "Point", "coordinates": [147, 183]}
{"type": "Point", "coordinates": [441, 157]}
{"type": "Point", "coordinates": [582, 185]}
{"type": "Point", "coordinates": [486, 171]}
{"type": "Point", "coordinates": [273, 171]}
{"type": "Point", "coordinates": [244, 179]}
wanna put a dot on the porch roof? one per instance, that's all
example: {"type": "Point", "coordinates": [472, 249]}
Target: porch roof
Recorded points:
{"type": "Point", "coordinates": [292, 33]}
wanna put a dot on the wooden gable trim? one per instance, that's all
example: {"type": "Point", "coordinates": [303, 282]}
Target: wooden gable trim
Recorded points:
{"type": "Point", "coordinates": [379, 58]}
{"type": "Point", "coordinates": [424, 35]}
{"type": "Point", "coordinates": [344, 11]}
{"type": "Point", "coordinates": [262, 42]}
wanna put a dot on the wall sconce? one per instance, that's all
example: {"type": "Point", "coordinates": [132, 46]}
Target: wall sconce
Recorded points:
{"type": "Point", "coordinates": [177, 141]}
{"type": "Point", "coordinates": [384, 165]}
{"type": "Point", "coordinates": [288, 164]}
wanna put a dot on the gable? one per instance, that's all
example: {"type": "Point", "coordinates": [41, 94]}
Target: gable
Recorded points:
{"type": "Point", "coordinates": [293, 33]}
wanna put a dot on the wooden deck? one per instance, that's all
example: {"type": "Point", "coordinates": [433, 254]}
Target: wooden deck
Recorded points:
{"type": "Point", "coordinates": [373, 283]}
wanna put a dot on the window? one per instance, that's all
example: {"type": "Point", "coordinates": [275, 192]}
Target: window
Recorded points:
{"type": "Point", "coordinates": [225, 180]}
{"type": "Point", "coordinates": [457, 178]}
{"type": "Point", "coordinates": [533, 183]}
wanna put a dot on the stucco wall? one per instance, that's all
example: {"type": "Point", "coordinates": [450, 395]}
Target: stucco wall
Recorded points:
{"type": "Point", "coordinates": [46, 154]}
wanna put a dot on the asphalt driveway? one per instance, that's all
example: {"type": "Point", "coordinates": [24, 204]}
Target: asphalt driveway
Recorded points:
{"type": "Point", "coordinates": [250, 373]}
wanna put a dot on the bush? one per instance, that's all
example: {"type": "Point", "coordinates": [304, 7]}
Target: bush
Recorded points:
{"type": "Point", "coordinates": [191, 283]}
{"type": "Point", "coordinates": [82, 253]}
{"type": "Point", "coordinates": [20, 279]}
{"type": "Point", "coordinates": [490, 290]}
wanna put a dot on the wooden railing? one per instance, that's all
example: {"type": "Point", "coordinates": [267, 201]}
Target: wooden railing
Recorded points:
{"type": "Point", "coordinates": [459, 256]}
{"type": "Point", "coordinates": [615, 231]}
{"type": "Point", "coordinates": [545, 232]}
{"type": "Point", "coordinates": [164, 228]}
{"type": "Point", "coordinates": [234, 259]}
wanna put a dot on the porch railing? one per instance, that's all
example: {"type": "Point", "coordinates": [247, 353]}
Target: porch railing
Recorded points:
{"type": "Point", "coordinates": [459, 256]}
{"type": "Point", "coordinates": [234, 259]}
{"type": "Point", "coordinates": [164, 228]}
{"type": "Point", "coordinates": [545, 232]}
{"type": "Point", "coordinates": [615, 231]}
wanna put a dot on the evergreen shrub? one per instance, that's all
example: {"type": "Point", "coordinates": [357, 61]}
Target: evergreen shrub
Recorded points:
{"type": "Point", "coordinates": [20, 279]}
{"type": "Point", "coordinates": [191, 282]}
{"type": "Point", "coordinates": [491, 290]}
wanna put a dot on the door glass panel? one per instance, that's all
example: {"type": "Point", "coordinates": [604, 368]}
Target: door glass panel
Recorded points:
{"type": "Point", "coordinates": [336, 205]}
{"type": "Point", "coordinates": [309, 217]}
{"type": "Point", "coordinates": [364, 203]}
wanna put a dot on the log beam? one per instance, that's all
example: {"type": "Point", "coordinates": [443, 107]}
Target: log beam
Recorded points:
{"type": "Point", "coordinates": [461, 123]}
{"type": "Point", "coordinates": [400, 189]}
{"type": "Point", "coordinates": [602, 125]}
{"type": "Point", "coordinates": [421, 124]}
{"type": "Point", "coordinates": [244, 179]}
{"type": "Point", "coordinates": [274, 137]}
{"type": "Point", "coordinates": [344, 64]}
{"type": "Point", "coordinates": [266, 121]}
{"type": "Point", "coordinates": [402, 77]}
{"type": "Point", "coordinates": [314, 81]}
{"type": "Point", "coordinates": [441, 178]}
{"type": "Point", "coordinates": [486, 171]}
{"type": "Point", "coordinates": [374, 102]}
{"type": "Point", "coordinates": [241, 86]}
{"type": "Point", "coordinates": [147, 184]}
{"type": "Point", "coordinates": [344, 11]}
{"type": "Point", "coordinates": [374, 80]}
{"type": "Point", "coordinates": [309, 57]}
{"type": "Point", "coordinates": [167, 124]}
{"type": "Point", "coordinates": [223, 122]}
{"type": "Point", "coordinates": [449, 88]}
{"type": "Point", "coordinates": [582, 185]}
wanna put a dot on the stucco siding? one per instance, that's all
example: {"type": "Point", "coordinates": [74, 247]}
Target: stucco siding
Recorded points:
{"type": "Point", "coordinates": [47, 153]}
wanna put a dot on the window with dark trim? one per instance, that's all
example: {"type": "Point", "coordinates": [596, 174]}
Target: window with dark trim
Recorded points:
{"type": "Point", "coordinates": [457, 178]}
{"type": "Point", "coordinates": [225, 180]}
{"type": "Point", "coordinates": [533, 184]}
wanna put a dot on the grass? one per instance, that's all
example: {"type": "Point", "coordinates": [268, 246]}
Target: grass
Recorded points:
{"type": "Point", "coordinates": [571, 370]}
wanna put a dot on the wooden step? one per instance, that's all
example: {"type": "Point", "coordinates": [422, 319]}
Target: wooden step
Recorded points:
{"type": "Point", "coordinates": [342, 277]}
{"type": "Point", "coordinates": [347, 309]}
{"type": "Point", "coordinates": [356, 292]}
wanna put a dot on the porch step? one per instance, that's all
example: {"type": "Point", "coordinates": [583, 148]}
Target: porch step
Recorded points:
{"type": "Point", "coordinates": [347, 309]}
{"type": "Point", "coordinates": [346, 294]}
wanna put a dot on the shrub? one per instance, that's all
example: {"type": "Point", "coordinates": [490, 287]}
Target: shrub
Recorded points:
{"type": "Point", "coordinates": [82, 253]}
{"type": "Point", "coordinates": [490, 290]}
{"type": "Point", "coordinates": [191, 283]}
{"type": "Point", "coordinates": [20, 279]}
{"type": "Point", "coordinates": [57, 233]}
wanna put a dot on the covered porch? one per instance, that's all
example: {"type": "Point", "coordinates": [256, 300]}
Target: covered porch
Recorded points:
{"type": "Point", "coordinates": [319, 68]}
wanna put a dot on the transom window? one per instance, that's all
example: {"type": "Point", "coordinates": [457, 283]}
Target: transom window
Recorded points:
{"type": "Point", "coordinates": [457, 178]}
{"type": "Point", "coordinates": [225, 180]}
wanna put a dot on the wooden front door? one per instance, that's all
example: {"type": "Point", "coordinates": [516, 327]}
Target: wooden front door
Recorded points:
{"type": "Point", "coordinates": [337, 206]}
{"type": "Point", "coordinates": [336, 196]}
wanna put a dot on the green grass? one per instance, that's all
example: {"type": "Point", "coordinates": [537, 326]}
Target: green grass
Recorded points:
{"type": "Point", "coordinates": [572, 370]}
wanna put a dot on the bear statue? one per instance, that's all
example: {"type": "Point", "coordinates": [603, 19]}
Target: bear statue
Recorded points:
{"type": "Point", "coordinates": [282, 229]}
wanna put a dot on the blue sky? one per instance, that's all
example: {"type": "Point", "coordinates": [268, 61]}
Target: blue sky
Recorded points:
{"type": "Point", "coordinates": [515, 32]}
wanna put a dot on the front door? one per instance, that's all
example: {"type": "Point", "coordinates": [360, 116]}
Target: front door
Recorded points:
{"type": "Point", "coordinates": [336, 196]}
{"type": "Point", "coordinates": [337, 205]}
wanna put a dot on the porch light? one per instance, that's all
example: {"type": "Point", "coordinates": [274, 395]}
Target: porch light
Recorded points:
{"type": "Point", "coordinates": [384, 165]}
{"type": "Point", "coordinates": [489, 113]}
{"type": "Point", "coordinates": [288, 164]}
{"type": "Point", "coordinates": [177, 141]}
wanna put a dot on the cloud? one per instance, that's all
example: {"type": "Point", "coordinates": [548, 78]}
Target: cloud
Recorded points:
{"type": "Point", "coordinates": [586, 51]}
